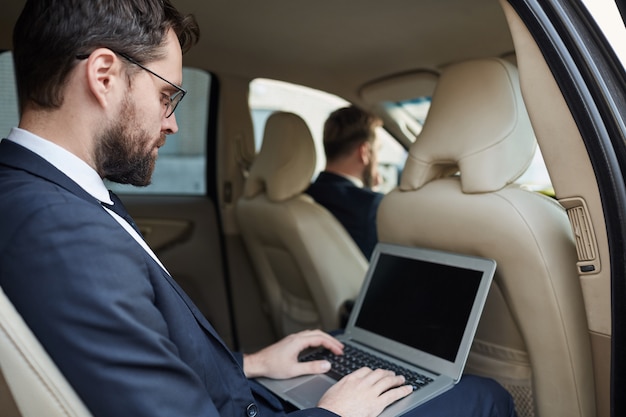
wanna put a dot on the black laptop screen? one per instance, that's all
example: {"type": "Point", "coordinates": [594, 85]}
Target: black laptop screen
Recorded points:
{"type": "Point", "coordinates": [421, 304]}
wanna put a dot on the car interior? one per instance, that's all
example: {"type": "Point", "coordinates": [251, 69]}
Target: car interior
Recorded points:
{"type": "Point", "coordinates": [472, 94]}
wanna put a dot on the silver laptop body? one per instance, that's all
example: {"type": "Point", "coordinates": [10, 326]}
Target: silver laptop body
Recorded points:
{"type": "Point", "coordinates": [418, 308]}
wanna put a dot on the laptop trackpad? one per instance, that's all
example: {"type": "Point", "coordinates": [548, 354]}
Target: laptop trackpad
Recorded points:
{"type": "Point", "coordinates": [308, 394]}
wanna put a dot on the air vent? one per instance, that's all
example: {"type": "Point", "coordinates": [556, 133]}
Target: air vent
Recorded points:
{"type": "Point", "coordinates": [582, 233]}
{"type": "Point", "coordinates": [586, 246]}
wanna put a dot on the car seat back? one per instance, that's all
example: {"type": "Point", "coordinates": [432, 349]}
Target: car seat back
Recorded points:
{"type": "Point", "coordinates": [458, 193]}
{"type": "Point", "coordinates": [37, 386]}
{"type": "Point", "coordinates": [305, 260]}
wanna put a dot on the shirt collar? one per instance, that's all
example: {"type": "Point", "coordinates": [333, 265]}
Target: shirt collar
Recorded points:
{"type": "Point", "coordinates": [356, 181]}
{"type": "Point", "coordinates": [68, 163]}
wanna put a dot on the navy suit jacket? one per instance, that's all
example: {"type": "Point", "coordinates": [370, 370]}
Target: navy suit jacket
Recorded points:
{"type": "Point", "coordinates": [353, 206]}
{"type": "Point", "coordinates": [124, 334]}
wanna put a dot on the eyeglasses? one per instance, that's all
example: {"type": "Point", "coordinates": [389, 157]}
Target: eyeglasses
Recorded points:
{"type": "Point", "coordinates": [172, 100]}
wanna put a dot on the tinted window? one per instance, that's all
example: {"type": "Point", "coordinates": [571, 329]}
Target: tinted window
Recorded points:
{"type": "Point", "coordinates": [8, 96]}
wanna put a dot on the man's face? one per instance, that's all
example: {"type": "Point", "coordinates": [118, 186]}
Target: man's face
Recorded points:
{"type": "Point", "coordinates": [127, 148]}
{"type": "Point", "coordinates": [125, 151]}
{"type": "Point", "coordinates": [371, 176]}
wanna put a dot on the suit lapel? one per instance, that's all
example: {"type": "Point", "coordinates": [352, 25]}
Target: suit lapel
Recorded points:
{"type": "Point", "coordinates": [18, 157]}
{"type": "Point", "coordinates": [202, 321]}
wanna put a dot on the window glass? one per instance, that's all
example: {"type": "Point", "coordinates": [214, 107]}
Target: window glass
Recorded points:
{"type": "Point", "coordinates": [314, 106]}
{"type": "Point", "coordinates": [181, 166]}
{"type": "Point", "coordinates": [609, 19]}
{"type": "Point", "coordinates": [409, 113]}
{"type": "Point", "coordinates": [9, 116]}
{"type": "Point", "coordinates": [417, 108]}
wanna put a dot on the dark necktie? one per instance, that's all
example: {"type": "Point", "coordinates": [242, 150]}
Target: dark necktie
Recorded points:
{"type": "Point", "coordinates": [118, 208]}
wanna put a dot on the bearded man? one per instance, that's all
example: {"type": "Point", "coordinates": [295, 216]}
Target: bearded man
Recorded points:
{"type": "Point", "coordinates": [346, 186]}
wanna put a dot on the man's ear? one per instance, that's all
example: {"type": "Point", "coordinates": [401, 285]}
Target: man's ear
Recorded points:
{"type": "Point", "coordinates": [103, 73]}
{"type": "Point", "coordinates": [365, 152]}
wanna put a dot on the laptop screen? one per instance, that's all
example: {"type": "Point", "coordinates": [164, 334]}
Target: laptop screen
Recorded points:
{"type": "Point", "coordinates": [422, 304]}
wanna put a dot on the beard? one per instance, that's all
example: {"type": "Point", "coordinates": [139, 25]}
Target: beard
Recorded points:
{"type": "Point", "coordinates": [368, 178]}
{"type": "Point", "coordinates": [122, 152]}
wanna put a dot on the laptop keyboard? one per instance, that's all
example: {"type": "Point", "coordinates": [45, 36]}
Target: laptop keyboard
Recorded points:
{"type": "Point", "coordinates": [354, 358]}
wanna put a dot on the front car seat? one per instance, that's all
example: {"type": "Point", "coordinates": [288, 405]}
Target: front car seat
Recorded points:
{"type": "Point", "coordinates": [457, 193]}
{"type": "Point", "coordinates": [38, 387]}
{"type": "Point", "coordinates": [307, 263]}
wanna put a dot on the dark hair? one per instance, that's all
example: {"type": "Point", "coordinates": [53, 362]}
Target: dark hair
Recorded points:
{"type": "Point", "coordinates": [50, 34]}
{"type": "Point", "coordinates": [347, 128]}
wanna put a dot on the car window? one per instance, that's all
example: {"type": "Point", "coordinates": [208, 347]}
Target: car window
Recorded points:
{"type": "Point", "coordinates": [9, 115]}
{"type": "Point", "coordinates": [608, 17]}
{"type": "Point", "coordinates": [181, 166]}
{"type": "Point", "coordinates": [314, 106]}
{"type": "Point", "coordinates": [415, 108]}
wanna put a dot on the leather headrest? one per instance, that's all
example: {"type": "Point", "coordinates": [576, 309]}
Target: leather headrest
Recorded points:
{"type": "Point", "coordinates": [286, 162]}
{"type": "Point", "coordinates": [477, 125]}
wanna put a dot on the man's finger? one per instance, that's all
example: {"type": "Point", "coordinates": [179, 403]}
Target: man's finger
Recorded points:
{"type": "Point", "coordinates": [394, 394]}
{"type": "Point", "coordinates": [314, 367]}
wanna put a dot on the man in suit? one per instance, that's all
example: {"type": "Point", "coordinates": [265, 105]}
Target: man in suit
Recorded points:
{"type": "Point", "coordinates": [346, 186]}
{"type": "Point", "coordinates": [98, 83]}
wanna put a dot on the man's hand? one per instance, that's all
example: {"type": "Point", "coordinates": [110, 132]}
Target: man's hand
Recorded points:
{"type": "Point", "coordinates": [364, 393]}
{"type": "Point", "coordinates": [280, 360]}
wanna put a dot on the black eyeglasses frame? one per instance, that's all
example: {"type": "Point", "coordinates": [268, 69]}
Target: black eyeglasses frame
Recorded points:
{"type": "Point", "coordinates": [174, 99]}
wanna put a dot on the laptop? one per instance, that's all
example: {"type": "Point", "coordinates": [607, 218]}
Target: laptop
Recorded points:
{"type": "Point", "coordinates": [418, 309]}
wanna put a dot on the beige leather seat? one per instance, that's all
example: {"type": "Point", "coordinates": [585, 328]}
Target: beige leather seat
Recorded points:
{"type": "Point", "coordinates": [305, 260]}
{"type": "Point", "coordinates": [457, 194]}
{"type": "Point", "coordinates": [36, 384]}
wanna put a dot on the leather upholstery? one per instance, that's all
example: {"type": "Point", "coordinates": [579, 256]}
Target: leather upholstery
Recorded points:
{"type": "Point", "coordinates": [481, 130]}
{"type": "Point", "coordinates": [36, 384]}
{"type": "Point", "coordinates": [307, 264]}
{"type": "Point", "coordinates": [457, 193]}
